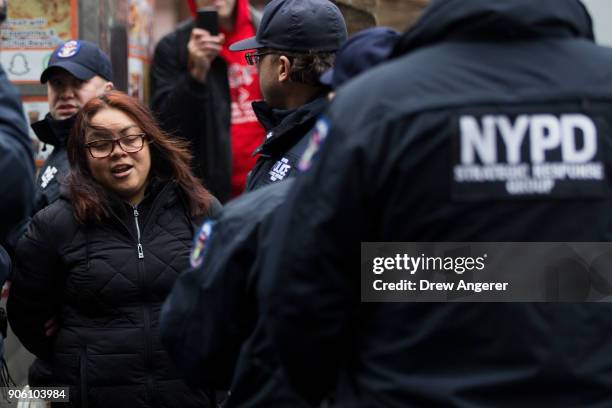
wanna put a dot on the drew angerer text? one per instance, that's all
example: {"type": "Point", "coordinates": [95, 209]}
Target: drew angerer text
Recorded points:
{"type": "Point", "coordinates": [425, 285]}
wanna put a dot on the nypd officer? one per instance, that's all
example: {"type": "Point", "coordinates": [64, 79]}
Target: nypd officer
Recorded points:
{"type": "Point", "coordinates": [295, 43]}
{"type": "Point", "coordinates": [78, 71]}
{"type": "Point", "coordinates": [16, 189]}
{"type": "Point", "coordinates": [475, 85]}
{"type": "Point", "coordinates": [209, 322]}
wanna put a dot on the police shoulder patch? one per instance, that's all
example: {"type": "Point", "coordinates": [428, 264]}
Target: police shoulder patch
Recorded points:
{"type": "Point", "coordinates": [320, 132]}
{"type": "Point", "coordinates": [69, 49]}
{"type": "Point", "coordinates": [199, 244]}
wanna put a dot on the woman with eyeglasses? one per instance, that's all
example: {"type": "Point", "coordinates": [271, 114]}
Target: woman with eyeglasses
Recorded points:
{"type": "Point", "coordinates": [94, 267]}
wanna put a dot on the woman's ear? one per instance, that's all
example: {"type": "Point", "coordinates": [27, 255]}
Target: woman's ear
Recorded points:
{"type": "Point", "coordinates": [284, 69]}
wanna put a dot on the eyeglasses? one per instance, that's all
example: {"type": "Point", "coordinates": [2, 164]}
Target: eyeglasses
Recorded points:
{"type": "Point", "coordinates": [254, 58]}
{"type": "Point", "coordinates": [100, 149]}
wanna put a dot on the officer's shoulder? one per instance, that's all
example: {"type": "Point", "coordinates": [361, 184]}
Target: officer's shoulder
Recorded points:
{"type": "Point", "coordinates": [386, 92]}
{"type": "Point", "coordinates": [371, 90]}
{"type": "Point", "coordinates": [374, 85]}
{"type": "Point", "coordinates": [255, 205]}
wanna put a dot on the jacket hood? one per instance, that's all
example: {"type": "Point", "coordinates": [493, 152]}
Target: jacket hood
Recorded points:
{"type": "Point", "coordinates": [241, 8]}
{"type": "Point", "coordinates": [53, 132]}
{"type": "Point", "coordinates": [499, 20]}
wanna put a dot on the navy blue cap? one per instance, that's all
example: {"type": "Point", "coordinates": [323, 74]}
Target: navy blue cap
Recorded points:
{"type": "Point", "coordinates": [362, 51]}
{"type": "Point", "coordinates": [298, 25]}
{"type": "Point", "coordinates": [83, 59]}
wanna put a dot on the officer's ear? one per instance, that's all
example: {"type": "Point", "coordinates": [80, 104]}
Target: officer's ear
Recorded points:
{"type": "Point", "coordinates": [109, 86]}
{"type": "Point", "coordinates": [284, 68]}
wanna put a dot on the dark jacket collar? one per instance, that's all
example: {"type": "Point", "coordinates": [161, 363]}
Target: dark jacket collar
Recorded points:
{"type": "Point", "coordinates": [156, 186]}
{"type": "Point", "coordinates": [53, 132]}
{"type": "Point", "coordinates": [499, 20]}
{"type": "Point", "coordinates": [281, 124]}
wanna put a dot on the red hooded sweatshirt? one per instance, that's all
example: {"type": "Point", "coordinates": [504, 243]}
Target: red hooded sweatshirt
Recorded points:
{"type": "Point", "coordinates": [246, 132]}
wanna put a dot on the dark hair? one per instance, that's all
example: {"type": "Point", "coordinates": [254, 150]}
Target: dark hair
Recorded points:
{"type": "Point", "coordinates": [308, 68]}
{"type": "Point", "coordinates": [170, 159]}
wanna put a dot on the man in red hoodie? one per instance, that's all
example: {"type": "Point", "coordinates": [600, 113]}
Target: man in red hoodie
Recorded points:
{"type": "Point", "coordinates": [203, 93]}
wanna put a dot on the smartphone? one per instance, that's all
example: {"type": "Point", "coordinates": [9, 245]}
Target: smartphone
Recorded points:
{"type": "Point", "coordinates": [208, 19]}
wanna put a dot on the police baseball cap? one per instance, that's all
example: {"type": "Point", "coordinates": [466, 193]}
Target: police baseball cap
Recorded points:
{"type": "Point", "coordinates": [298, 25]}
{"type": "Point", "coordinates": [362, 51]}
{"type": "Point", "coordinates": [83, 59]}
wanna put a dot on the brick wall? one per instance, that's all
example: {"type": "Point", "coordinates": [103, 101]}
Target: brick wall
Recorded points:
{"type": "Point", "coordinates": [361, 14]}
{"type": "Point", "coordinates": [398, 14]}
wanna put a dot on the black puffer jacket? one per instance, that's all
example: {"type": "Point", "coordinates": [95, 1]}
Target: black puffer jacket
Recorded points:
{"type": "Point", "coordinates": [107, 292]}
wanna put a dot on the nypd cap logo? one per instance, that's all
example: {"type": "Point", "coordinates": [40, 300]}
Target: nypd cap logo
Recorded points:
{"type": "Point", "coordinates": [69, 49]}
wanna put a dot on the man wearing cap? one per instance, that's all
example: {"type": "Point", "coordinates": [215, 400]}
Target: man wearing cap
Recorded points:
{"type": "Point", "coordinates": [77, 72]}
{"type": "Point", "coordinates": [295, 43]}
{"type": "Point", "coordinates": [364, 50]}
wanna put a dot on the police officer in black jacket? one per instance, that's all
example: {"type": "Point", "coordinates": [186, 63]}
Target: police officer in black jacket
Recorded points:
{"type": "Point", "coordinates": [209, 323]}
{"type": "Point", "coordinates": [16, 162]}
{"type": "Point", "coordinates": [470, 71]}
{"type": "Point", "coordinates": [78, 71]}
{"type": "Point", "coordinates": [16, 188]}
{"type": "Point", "coordinates": [295, 43]}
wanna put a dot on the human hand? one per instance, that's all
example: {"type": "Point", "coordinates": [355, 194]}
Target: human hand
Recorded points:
{"type": "Point", "coordinates": [203, 48]}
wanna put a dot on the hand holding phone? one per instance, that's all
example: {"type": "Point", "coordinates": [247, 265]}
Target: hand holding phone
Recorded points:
{"type": "Point", "coordinates": [205, 43]}
{"type": "Point", "coordinates": [208, 19]}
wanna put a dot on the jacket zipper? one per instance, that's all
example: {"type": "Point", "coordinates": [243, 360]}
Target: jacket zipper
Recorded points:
{"type": "Point", "coordinates": [146, 313]}
{"type": "Point", "coordinates": [139, 246]}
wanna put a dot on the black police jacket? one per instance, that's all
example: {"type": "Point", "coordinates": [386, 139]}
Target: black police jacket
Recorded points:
{"type": "Point", "coordinates": [16, 162]}
{"type": "Point", "coordinates": [390, 170]}
{"type": "Point", "coordinates": [106, 292]}
{"type": "Point", "coordinates": [56, 168]}
{"type": "Point", "coordinates": [286, 140]}
{"type": "Point", "coordinates": [17, 169]}
{"type": "Point", "coordinates": [209, 323]}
